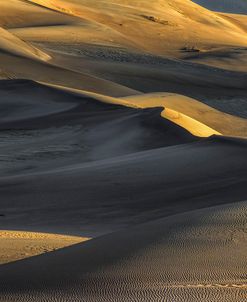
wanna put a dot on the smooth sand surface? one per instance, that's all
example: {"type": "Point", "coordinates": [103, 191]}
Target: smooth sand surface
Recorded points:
{"type": "Point", "coordinates": [11, 44]}
{"type": "Point", "coordinates": [158, 16]}
{"type": "Point", "coordinates": [122, 121]}
{"type": "Point", "coordinates": [17, 245]}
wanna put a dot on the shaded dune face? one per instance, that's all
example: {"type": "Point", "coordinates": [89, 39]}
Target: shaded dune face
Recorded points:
{"type": "Point", "coordinates": [145, 261]}
{"type": "Point", "coordinates": [101, 196]}
{"type": "Point", "coordinates": [52, 127]}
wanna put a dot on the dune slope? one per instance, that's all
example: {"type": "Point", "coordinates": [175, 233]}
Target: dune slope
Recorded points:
{"type": "Point", "coordinates": [13, 45]}
{"type": "Point", "coordinates": [159, 18]}
{"type": "Point", "coordinates": [96, 197]}
{"type": "Point", "coordinates": [182, 257]}
{"type": "Point", "coordinates": [17, 245]}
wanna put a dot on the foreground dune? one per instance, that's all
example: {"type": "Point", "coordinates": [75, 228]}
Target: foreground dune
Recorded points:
{"type": "Point", "coordinates": [184, 257]}
{"type": "Point", "coordinates": [16, 245]}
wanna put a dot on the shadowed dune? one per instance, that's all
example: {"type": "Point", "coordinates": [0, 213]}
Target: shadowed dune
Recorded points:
{"type": "Point", "coordinates": [53, 127]}
{"type": "Point", "coordinates": [182, 257]}
{"type": "Point", "coordinates": [101, 196]}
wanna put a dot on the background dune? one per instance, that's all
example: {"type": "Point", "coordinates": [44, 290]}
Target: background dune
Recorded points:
{"type": "Point", "coordinates": [234, 6]}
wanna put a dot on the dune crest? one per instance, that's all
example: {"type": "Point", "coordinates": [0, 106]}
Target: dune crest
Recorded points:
{"type": "Point", "coordinates": [156, 16]}
{"type": "Point", "coordinates": [15, 46]}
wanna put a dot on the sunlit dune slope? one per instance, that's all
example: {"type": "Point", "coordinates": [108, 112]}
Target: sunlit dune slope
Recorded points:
{"type": "Point", "coordinates": [192, 115]}
{"type": "Point", "coordinates": [15, 67]}
{"type": "Point", "coordinates": [21, 14]}
{"type": "Point", "coordinates": [210, 121]}
{"type": "Point", "coordinates": [188, 257]}
{"type": "Point", "coordinates": [192, 25]}
{"type": "Point", "coordinates": [11, 44]}
{"type": "Point", "coordinates": [16, 245]}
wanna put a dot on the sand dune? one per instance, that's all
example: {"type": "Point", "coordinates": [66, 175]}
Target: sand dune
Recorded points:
{"type": "Point", "coordinates": [21, 14]}
{"type": "Point", "coordinates": [182, 257]}
{"type": "Point", "coordinates": [122, 121]}
{"type": "Point", "coordinates": [192, 115]}
{"type": "Point", "coordinates": [16, 245]}
{"type": "Point", "coordinates": [69, 127]}
{"type": "Point", "coordinates": [171, 17]}
{"type": "Point", "coordinates": [99, 196]}
{"type": "Point", "coordinates": [13, 45]}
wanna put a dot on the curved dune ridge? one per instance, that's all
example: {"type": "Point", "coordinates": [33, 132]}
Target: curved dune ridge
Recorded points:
{"type": "Point", "coordinates": [184, 257]}
{"type": "Point", "coordinates": [11, 44]}
{"type": "Point", "coordinates": [16, 245]}
{"type": "Point", "coordinates": [194, 116]}
{"type": "Point", "coordinates": [171, 16]}
{"type": "Point", "coordinates": [61, 126]}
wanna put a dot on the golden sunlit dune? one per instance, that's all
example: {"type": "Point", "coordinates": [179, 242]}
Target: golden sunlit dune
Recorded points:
{"type": "Point", "coordinates": [13, 45]}
{"type": "Point", "coordinates": [159, 18]}
{"type": "Point", "coordinates": [186, 112]}
{"type": "Point", "coordinates": [194, 116]}
{"type": "Point", "coordinates": [17, 245]}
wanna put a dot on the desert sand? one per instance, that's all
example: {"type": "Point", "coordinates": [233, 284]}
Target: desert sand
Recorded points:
{"type": "Point", "coordinates": [123, 122]}
{"type": "Point", "coordinates": [17, 245]}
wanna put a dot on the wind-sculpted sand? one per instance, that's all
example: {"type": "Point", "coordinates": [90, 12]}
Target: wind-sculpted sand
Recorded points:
{"type": "Point", "coordinates": [17, 245]}
{"type": "Point", "coordinates": [183, 257]}
{"type": "Point", "coordinates": [123, 122]}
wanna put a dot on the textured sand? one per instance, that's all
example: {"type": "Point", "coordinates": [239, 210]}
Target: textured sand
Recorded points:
{"type": "Point", "coordinates": [17, 245]}
{"type": "Point", "coordinates": [187, 257]}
